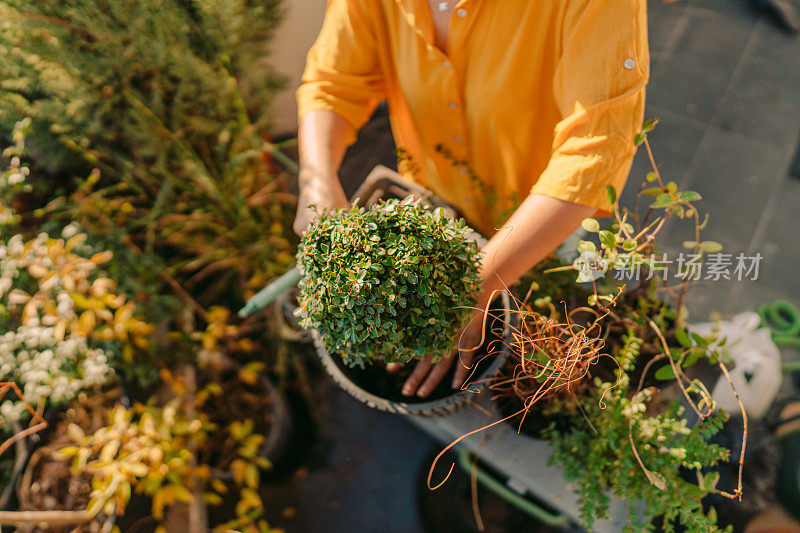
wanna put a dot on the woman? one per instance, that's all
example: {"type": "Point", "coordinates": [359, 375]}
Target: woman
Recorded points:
{"type": "Point", "coordinates": [526, 107]}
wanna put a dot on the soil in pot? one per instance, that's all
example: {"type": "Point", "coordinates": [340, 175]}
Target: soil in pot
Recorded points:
{"type": "Point", "coordinates": [531, 422]}
{"type": "Point", "coordinates": [374, 378]}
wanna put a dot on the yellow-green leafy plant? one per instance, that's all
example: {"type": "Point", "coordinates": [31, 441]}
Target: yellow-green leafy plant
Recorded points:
{"type": "Point", "coordinates": [158, 450]}
{"type": "Point", "coordinates": [391, 282]}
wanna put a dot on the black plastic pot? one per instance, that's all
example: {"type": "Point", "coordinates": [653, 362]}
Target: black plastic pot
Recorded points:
{"type": "Point", "coordinates": [374, 386]}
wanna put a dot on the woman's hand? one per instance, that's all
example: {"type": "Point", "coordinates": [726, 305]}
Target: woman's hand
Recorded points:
{"type": "Point", "coordinates": [324, 192]}
{"type": "Point", "coordinates": [321, 140]}
{"type": "Point", "coordinates": [426, 376]}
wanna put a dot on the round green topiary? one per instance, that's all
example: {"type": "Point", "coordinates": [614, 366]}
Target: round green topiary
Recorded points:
{"type": "Point", "coordinates": [393, 282]}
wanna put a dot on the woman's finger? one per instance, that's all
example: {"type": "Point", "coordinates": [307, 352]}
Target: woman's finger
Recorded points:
{"type": "Point", "coordinates": [416, 376]}
{"type": "Point", "coordinates": [393, 367]}
{"type": "Point", "coordinates": [439, 371]}
{"type": "Point", "coordinates": [463, 366]}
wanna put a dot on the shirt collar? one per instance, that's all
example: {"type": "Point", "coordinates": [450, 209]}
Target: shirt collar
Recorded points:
{"type": "Point", "coordinates": [418, 15]}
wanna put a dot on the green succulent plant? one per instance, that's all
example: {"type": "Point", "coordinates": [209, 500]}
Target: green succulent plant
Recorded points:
{"type": "Point", "coordinates": [393, 282]}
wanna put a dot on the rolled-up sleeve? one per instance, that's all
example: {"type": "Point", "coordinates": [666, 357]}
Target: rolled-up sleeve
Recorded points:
{"type": "Point", "coordinates": [342, 71]}
{"type": "Point", "coordinates": [599, 87]}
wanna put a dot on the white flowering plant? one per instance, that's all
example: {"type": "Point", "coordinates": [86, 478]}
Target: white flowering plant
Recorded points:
{"type": "Point", "coordinates": [61, 321]}
{"type": "Point", "coordinates": [12, 178]}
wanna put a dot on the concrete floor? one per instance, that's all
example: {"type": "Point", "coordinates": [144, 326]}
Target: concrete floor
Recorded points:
{"type": "Point", "coordinates": [725, 85]}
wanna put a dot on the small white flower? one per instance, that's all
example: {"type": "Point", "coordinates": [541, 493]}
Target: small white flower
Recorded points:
{"type": "Point", "coordinates": [69, 230]}
{"type": "Point", "coordinates": [15, 246]}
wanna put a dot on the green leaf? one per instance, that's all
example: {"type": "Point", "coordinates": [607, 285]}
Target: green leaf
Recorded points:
{"type": "Point", "coordinates": [689, 244]}
{"type": "Point", "coordinates": [649, 124]}
{"type": "Point", "coordinates": [692, 356]}
{"type": "Point", "coordinates": [611, 194]}
{"type": "Point", "coordinates": [608, 240]}
{"type": "Point", "coordinates": [682, 336]}
{"type": "Point", "coordinates": [710, 246]}
{"type": "Point", "coordinates": [664, 373]}
{"type": "Point", "coordinates": [711, 480]}
{"type": "Point", "coordinates": [629, 245]}
{"type": "Point", "coordinates": [699, 339]}
{"type": "Point", "coordinates": [586, 246]}
{"type": "Point", "coordinates": [651, 176]}
{"type": "Point", "coordinates": [639, 138]}
{"type": "Point", "coordinates": [689, 196]}
{"type": "Point", "coordinates": [663, 200]}
{"type": "Point", "coordinates": [591, 225]}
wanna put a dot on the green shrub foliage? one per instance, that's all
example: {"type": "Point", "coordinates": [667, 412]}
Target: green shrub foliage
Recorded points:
{"type": "Point", "coordinates": [167, 102]}
{"type": "Point", "coordinates": [393, 283]}
{"type": "Point", "coordinates": [596, 454]}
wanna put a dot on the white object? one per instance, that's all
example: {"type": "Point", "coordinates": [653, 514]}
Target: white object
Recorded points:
{"type": "Point", "coordinates": [568, 250]}
{"type": "Point", "coordinates": [757, 374]}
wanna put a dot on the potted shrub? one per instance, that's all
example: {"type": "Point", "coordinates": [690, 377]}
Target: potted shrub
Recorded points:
{"type": "Point", "coordinates": [390, 283]}
{"type": "Point", "coordinates": [170, 450]}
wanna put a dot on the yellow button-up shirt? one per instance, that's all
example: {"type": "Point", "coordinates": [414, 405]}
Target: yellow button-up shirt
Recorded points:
{"type": "Point", "coordinates": [539, 96]}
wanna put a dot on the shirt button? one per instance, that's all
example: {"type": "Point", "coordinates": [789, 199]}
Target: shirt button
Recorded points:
{"type": "Point", "coordinates": [458, 139]}
{"type": "Point", "coordinates": [446, 64]}
{"type": "Point", "coordinates": [629, 64]}
{"type": "Point", "coordinates": [462, 12]}
{"type": "Point", "coordinates": [464, 171]}
{"type": "Point", "coordinates": [452, 105]}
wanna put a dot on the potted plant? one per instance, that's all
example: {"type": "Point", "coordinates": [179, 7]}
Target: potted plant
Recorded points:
{"type": "Point", "coordinates": [170, 450]}
{"type": "Point", "coordinates": [67, 329]}
{"type": "Point", "coordinates": [610, 375]}
{"type": "Point", "coordinates": [390, 283]}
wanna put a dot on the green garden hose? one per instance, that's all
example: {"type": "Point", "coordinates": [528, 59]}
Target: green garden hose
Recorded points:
{"type": "Point", "coordinates": [268, 294]}
{"type": "Point", "coordinates": [783, 319]}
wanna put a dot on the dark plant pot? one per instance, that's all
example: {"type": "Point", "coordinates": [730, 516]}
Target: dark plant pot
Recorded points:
{"type": "Point", "coordinates": [533, 422]}
{"type": "Point", "coordinates": [22, 451]}
{"type": "Point", "coordinates": [273, 417]}
{"type": "Point", "coordinates": [14, 462]}
{"type": "Point", "coordinates": [374, 386]}
{"type": "Point", "coordinates": [277, 446]}
{"type": "Point", "coordinates": [42, 467]}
